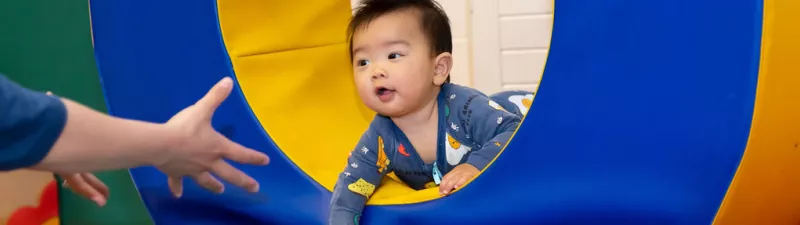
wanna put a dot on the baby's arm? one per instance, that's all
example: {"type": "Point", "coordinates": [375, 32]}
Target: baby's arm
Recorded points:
{"type": "Point", "coordinates": [489, 127]}
{"type": "Point", "coordinates": [366, 166]}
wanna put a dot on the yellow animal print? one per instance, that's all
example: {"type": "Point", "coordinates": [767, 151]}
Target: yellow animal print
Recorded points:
{"type": "Point", "coordinates": [494, 105]}
{"type": "Point", "coordinates": [453, 142]}
{"type": "Point", "coordinates": [527, 102]}
{"type": "Point", "coordinates": [455, 150]}
{"type": "Point", "coordinates": [362, 187]}
{"type": "Point", "coordinates": [383, 161]}
{"type": "Point", "coordinates": [523, 102]}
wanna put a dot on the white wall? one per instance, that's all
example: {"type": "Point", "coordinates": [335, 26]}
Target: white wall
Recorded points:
{"type": "Point", "coordinates": [499, 44]}
{"type": "Point", "coordinates": [511, 39]}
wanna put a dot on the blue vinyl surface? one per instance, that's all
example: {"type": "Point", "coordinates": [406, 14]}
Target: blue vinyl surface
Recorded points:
{"type": "Point", "coordinates": [642, 117]}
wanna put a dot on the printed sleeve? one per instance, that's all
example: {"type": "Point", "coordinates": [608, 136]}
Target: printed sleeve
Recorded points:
{"type": "Point", "coordinates": [30, 123]}
{"type": "Point", "coordinates": [490, 127]}
{"type": "Point", "coordinates": [366, 166]}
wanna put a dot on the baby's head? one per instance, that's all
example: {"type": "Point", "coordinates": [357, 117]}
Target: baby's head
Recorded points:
{"type": "Point", "coordinates": [401, 54]}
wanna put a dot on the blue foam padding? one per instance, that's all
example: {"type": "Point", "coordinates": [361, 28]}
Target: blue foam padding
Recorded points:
{"type": "Point", "coordinates": [642, 117]}
{"type": "Point", "coordinates": [155, 58]}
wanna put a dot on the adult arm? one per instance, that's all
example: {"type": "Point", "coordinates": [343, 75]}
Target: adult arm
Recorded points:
{"type": "Point", "coordinates": [62, 136]}
{"type": "Point", "coordinates": [92, 141]}
{"type": "Point", "coordinates": [59, 135]}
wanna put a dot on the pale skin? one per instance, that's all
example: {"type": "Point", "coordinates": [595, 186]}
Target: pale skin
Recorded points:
{"type": "Point", "coordinates": [397, 76]}
{"type": "Point", "coordinates": [186, 145]}
{"type": "Point", "coordinates": [86, 185]}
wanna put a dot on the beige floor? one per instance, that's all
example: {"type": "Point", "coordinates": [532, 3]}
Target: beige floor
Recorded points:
{"type": "Point", "coordinates": [20, 188]}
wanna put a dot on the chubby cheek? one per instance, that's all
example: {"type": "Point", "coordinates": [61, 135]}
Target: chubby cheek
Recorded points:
{"type": "Point", "coordinates": [414, 86]}
{"type": "Point", "coordinates": [365, 90]}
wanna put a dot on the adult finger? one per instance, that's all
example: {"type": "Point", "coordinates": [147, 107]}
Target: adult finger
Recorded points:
{"type": "Point", "coordinates": [241, 154]}
{"type": "Point", "coordinates": [80, 187]}
{"type": "Point", "coordinates": [215, 96]}
{"type": "Point", "coordinates": [175, 186]}
{"type": "Point", "coordinates": [96, 183]}
{"type": "Point", "coordinates": [207, 181]}
{"type": "Point", "coordinates": [225, 171]}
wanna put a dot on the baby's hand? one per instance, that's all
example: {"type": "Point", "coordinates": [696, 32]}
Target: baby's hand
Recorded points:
{"type": "Point", "coordinates": [457, 177]}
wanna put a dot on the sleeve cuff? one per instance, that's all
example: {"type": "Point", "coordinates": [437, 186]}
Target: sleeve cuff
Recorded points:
{"type": "Point", "coordinates": [479, 161]}
{"type": "Point", "coordinates": [40, 136]}
{"type": "Point", "coordinates": [344, 217]}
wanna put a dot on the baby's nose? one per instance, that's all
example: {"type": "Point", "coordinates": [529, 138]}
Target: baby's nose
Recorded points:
{"type": "Point", "coordinates": [378, 73]}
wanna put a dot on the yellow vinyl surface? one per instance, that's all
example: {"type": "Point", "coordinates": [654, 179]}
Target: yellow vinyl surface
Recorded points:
{"type": "Point", "coordinates": [52, 221]}
{"type": "Point", "coordinates": [291, 61]}
{"type": "Point", "coordinates": [766, 188]}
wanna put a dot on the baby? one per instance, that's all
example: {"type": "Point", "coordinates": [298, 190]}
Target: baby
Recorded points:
{"type": "Point", "coordinates": [428, 131]}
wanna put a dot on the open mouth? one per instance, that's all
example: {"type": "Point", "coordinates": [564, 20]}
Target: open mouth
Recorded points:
{"type": "Point", "coordinates": [384, 93]}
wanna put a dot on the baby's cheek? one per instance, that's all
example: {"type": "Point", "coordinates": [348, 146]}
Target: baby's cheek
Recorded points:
{"type": "Point", "coordinates": [365, 90]}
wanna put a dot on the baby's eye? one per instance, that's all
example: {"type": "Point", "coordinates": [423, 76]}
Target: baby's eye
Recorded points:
{"type": "Point", "coordinates": [394, 55]}
{"type": "Point", "coordinates": [362, 62]}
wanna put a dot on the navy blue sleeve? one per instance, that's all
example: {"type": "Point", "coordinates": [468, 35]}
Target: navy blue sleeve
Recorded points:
{"type": "Point", "coordinates": [489, 126]}
{"type": "Point", "coordinates": [514, 101]}
{"type": "Point", "coordinates": [366, 166]}
{"type": "Point", "coordinates": [30, 123]}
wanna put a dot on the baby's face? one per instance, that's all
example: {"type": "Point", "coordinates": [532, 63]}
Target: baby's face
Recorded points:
{"type": "Point", "coordinates": [393, 64]}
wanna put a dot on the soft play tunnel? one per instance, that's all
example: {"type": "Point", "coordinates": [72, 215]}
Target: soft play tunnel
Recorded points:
{"type": "Point", "coordinates": [649, 112]}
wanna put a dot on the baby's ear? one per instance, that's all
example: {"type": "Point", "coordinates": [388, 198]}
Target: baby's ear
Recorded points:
{"type": "Point", "coordinates": [442, 66]}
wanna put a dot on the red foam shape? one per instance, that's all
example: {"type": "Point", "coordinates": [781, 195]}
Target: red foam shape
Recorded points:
{"type": "Point", "coordinates": [45, 210]}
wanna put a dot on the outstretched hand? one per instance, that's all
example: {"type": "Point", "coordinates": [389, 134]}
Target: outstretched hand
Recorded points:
{"type": "Point", "coordinates": [199, 150]}
{"type": "Point", "coordinates": [457, 178]}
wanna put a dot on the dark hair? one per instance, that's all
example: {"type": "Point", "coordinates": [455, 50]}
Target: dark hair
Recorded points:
{"type": "Point", "coordinates": [433, 21]}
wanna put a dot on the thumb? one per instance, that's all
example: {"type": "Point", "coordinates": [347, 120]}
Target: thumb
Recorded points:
{"type": "Point", "coordinates": [215, 96]}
